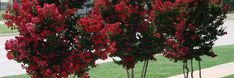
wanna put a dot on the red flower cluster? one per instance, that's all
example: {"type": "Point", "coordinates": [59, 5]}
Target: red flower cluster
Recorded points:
{"type": "Point", "coordinates": [43, 45]}
{"type": "Point", "coordinates": [95, 32]}
{"type": "Point", "coordinates": [93, 23]}
{"type": "Point", "coordinates": [113, 27]}
{"type": "Point", "coordinates": [184, 1]}
{"type": "Point", "coordinates": [162, 6]}
{"type": "Point", "coordinates": [188, 35]}
{"type": "Point", "coordinates": [54, 41]}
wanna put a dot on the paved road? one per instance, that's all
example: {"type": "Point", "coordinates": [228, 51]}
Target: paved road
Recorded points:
{"type": "Point", "coordinates": [12, 68]}
{"type": "Point", "coordinates": [229, 38]}
{"type": "Point", "coordinates": [8, 67]}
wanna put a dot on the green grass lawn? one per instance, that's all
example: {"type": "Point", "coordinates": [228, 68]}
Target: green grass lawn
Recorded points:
{"type": "Point", "coordinates": [161, 68]}
{"type": "Point", "coordinates": [4, 29]}
{"type": "Point", "coordinates": [231, 76]}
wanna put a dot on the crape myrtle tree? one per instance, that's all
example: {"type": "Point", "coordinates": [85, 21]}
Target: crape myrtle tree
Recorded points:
{"type": "Point", "coordinates": [191, 27]}
{"type": "Point", "coordinates": [49, 44]}
{"type": "Point", "coordinates": [54, 41]}
{"type": "Point", "coordinates": [126, 24]}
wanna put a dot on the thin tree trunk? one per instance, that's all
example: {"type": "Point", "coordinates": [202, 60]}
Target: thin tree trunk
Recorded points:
{"type": "Point", "coordinates": [127, 73]}
{"type": "Point", "coordinates": [191, 68]}
{"type": "Point", "coordinates": [199, 62]}
{"type": "Point", "coordinates": [132, 73]}
{"type": "Point", "coordinates": [184, 70]}
{"type": "Point", "coordinates": [147, 63]}
{"type": "Point", "coordinates": [187, 69]}
{"type": "Point", "coordinates": [143, 69]}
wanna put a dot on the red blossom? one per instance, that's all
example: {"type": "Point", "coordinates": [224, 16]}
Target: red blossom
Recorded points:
{"type": "Point", "coordinates": [184, 1]}
{"type": "Point", "coordinates": [180, 26]}
{"type": "Point", "coordinates": [55, 42]}
{"type": "Point", "coordinates": [179, 36]}
{"type": "Point", "coordinates": [42, 41]}
{"type": "Point", "coordinates": [158, 35]}
{"type": "Point", "coordinates": [113, 29]}
{"type": "Point", "coordinates": [186, 32]}
{"type": "Point", "coordinates": [10, 56]}
{"type": "Point", "coordinates": [129, 62]}
{"type": "Point", "coordinates": [111, 48]}
{"type": "Point", "coordinates": [194, 37]}
{"type": "Point", "coordinates": [92, 23]}
{"type": "Point", "coordinates": [85, 75]}
{"type": "Point", "coordinates": [226, 8]}
{"type": "Point", "coordinates": [185, 50]}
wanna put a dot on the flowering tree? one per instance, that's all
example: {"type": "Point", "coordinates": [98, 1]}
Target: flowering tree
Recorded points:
{"type": "Point", "coordinates": [48, 44]}
{"type": "Point", "coordinates": [126, 24]}
{"type": "Point", "coordinates": [54, 41]}
{"type": "Point", "coordinates": [190, 27]}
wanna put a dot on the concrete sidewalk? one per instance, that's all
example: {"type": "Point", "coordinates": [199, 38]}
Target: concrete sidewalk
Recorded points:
{"type": "Point", "coordinates": [218, 71]}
